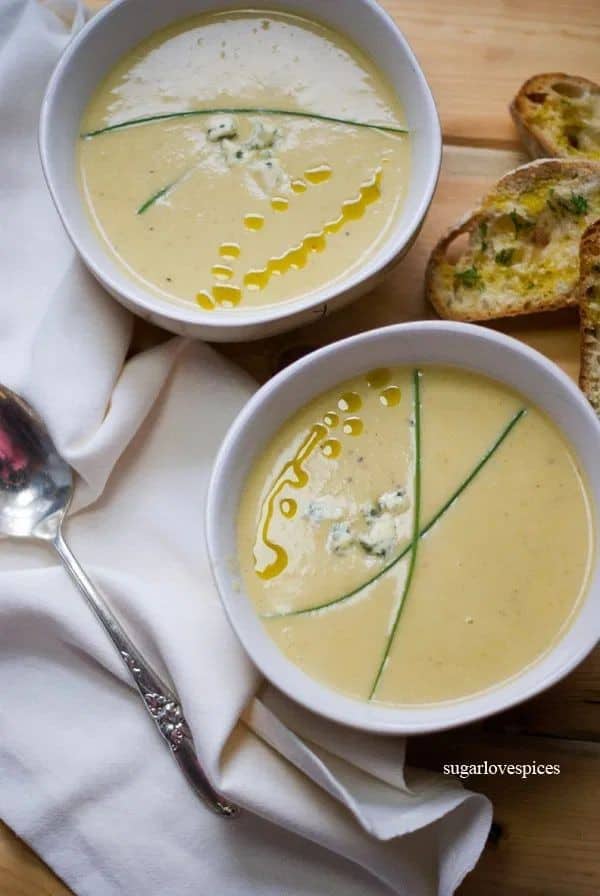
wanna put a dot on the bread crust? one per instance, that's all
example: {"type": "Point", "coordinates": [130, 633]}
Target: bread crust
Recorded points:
{"type": "Point", "coordinates": [510, 185]}
{"type": "Point", "coordinates": [588, 293]}
{"type": "Point", "coordinates": [514, 182]}
{"type": "Point", "coordinates": [526, 104]}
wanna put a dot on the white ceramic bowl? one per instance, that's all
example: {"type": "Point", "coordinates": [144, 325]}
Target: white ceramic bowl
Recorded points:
{"type": "Point", "coordinates": [462, 345]}
{"type": "Point", "coordinates": [122, 25]}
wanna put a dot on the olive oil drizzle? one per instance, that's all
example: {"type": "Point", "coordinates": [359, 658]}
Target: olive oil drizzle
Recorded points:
{"type": "Point", "coordinates": [294, 475]}
{"type": "Point", "coordinates": [293, 259]}
{"type": "Point", "coordinates": [426, 528]}
{"type": "Point", "coordinates": [294, 113]}
{"type": "Point", "coordinates": [298, 256]}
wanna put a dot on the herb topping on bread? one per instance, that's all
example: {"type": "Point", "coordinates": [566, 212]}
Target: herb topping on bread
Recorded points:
{"type": "Point", "coordinates": [522, 244]}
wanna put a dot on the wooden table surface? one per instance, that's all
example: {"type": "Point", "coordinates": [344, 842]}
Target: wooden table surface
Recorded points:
{"type": "Point", "coordinates": [475, 53]}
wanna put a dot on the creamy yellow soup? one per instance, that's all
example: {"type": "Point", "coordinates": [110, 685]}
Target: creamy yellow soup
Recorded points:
{"type": "Point", "coordinates": [412, 537]}
{"type": "Point", "coordinates": [240, 208]}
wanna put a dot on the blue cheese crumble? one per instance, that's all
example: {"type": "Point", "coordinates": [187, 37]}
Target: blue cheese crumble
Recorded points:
{"type": "Point", "coordinates": [221, 127]}
{"type": "Point", "coordinates": [380, 538]}
{"type": "Point", "coordinates": [263, 136]}
{"type": "Point", "coordinates": [396, 501]}
{"type": "Point", "coordinates": [377, 528]}
{"type": "Point", "coordinates": [257, 153]}
{"type": "Point", "coordinates": [340, 538]}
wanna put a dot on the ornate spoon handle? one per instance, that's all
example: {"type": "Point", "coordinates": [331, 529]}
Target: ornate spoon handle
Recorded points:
{"type": "Point", "coordinates": [158, 698]}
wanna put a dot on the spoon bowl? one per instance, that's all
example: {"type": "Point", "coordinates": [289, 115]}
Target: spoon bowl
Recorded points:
{"type": "Point", "coordinates": [36, 484]}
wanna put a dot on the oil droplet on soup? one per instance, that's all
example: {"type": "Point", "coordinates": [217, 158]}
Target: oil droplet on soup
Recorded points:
{"type": "Point", "coordinates": [254, 222]}
{"type": "Point", "coordinates": [331, 448]}
{"type": "Point", "coordinates": [391, 397]}
{"type": "Point", "coordinates": [222, 272]}
{"type": "Point", "coordinates": [350, 401]}
{"type": "Point", "coordinates": [229, 250]}
{"type": "Point", "coordinates": [318, 175]}
{"type": "Point", "coordinates": [353, 426]}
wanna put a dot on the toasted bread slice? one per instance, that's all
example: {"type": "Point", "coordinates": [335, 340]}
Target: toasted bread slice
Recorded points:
{"type": "Point", "coordinates": [589, 306]}
{"type": "Point", "coordinates": [522, 244]}
{"type": "Point", "coordinates": [559, 115]}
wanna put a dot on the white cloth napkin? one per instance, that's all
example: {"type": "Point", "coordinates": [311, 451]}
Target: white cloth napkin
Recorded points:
{"type": "Point", "coordinates": [84, 777]}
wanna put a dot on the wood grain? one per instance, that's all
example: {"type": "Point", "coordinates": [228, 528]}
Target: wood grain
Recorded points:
{"type": "Point", "coordinates": [546, 835]}
{"type": "Point", "coordinates": [22, 873]}
{"type": "Point", "coordinates": [476, 53]}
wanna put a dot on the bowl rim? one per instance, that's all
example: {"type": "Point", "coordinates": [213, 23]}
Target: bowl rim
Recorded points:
{"type": "Point", "coordinates": [132, 294]}
{"type": "Point", "coordinates": [322, 699]}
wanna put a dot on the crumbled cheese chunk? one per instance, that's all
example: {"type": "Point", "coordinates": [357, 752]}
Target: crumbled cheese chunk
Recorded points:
{"type": "Point", "coordinates": [221, 127]}
{"type": "Point", "coordinates": [263, 136]}
{"type": "Point", "coordinates": [233, 151]}
{"type": "Point", "coordinates": [256, 153]}
{"type": "Point", "coordinates": [380, 537]}
{"type": "Point", "coordinates": [340, 538]}
{"type": "Point", "coordinates": [370, 511]}
{"type": "Point", "coordinates": [268, 174]}
{"type": "Point", "coordinates": [396, 501]}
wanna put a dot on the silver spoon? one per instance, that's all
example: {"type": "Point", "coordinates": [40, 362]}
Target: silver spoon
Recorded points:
{"type": "Point", "coordinates": [36, 486]}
